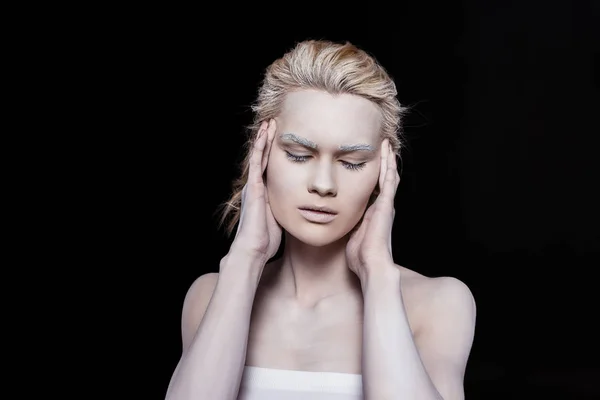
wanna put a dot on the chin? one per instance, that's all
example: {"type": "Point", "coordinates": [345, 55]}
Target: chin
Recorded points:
{"type": "Point", "coordinates": [316, 235]}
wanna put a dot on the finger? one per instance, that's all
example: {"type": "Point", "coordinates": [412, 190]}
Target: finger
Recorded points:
{"type": "Point", "coordinates": [389, 185]}
{"type": "Point", "coordinates": [368, 214]}
{"type": "Point", "coordinates": [392, 173]}
{"type": "Point", "coordinates": [383, 165]}
{"type": "Point", "coordinates": [393, 156]}
{"type": "Point", "coordinates": [359, 232]}
{"type": "Point", "coordinates": [243, 200]}
{"type": "Point", "coordinates": [271, 128]}
{"type": "Point", "coordinates": [254, 172]}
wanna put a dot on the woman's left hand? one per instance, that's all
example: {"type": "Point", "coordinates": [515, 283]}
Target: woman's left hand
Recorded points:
{"type": "Point", "coordinates": [370, 245]}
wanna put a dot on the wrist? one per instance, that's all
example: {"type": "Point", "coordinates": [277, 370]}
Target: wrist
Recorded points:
{"type": "Point", "coordinates": [241, 262]}
{"type": "Point", "coordinates": [381, 277]}
{"type": "Point", "coordinates": [239, 250]}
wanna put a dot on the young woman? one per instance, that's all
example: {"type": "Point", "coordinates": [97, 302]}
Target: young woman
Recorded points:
{"type": "Point", "coordinates": [334, 317]}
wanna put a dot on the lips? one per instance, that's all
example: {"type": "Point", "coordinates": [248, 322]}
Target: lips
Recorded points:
{"type": "Point", "coordinates": [320, 209]}
{"type": "Point", "coordinates": [317, 214]}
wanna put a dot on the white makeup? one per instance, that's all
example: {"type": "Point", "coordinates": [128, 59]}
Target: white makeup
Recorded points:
{"type": "Point", "coordinates": [325, 154]}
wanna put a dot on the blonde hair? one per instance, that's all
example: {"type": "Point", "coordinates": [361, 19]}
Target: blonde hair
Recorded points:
{"type": "Point", "coordinates": [324, 65]}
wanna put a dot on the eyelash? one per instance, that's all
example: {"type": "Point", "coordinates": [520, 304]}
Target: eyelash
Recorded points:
{"type": "Point", "coordinates": [347, 165]}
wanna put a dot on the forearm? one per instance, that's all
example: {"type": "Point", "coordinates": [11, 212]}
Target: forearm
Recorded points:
{"type": "Point", "coordinates": [392, 367]}
{"type": "Point", "coordinates": [212, 366]}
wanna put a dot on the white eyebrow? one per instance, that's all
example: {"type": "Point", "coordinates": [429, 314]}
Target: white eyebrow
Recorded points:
{"type": "Point", "coordinates": [307, 143]}
{"type": "Point", "coordinates": [356, 147]}
{"type": "Point", "coordinates": [300, 140]}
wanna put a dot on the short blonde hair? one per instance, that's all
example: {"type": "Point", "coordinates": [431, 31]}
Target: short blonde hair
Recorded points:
{"type": "Point", "coordinates": [323, 65]}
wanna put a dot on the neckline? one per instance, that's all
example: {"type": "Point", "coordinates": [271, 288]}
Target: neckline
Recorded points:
{"type": "Point", "coordinates": [302, 381]}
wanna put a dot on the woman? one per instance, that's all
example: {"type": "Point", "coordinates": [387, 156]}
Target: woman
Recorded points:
{"type": "Point", "coordinates": [333, 317]}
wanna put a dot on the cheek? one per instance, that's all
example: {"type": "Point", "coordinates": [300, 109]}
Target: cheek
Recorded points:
{"type": "Point", "coordinates": [360, 185]}
{"type": "Point", "coordinates": [283, 181]}
{"type": "Point", "coordinates": [281, 177]}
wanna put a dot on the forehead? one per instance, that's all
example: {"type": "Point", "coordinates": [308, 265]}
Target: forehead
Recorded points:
{"type": "Point", "coordinates": [330, 119]}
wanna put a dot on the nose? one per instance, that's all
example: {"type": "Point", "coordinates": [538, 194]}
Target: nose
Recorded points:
{"type": "Point", "coordinates": [323, 182]}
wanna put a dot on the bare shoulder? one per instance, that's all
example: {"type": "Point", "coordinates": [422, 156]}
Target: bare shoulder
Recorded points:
{"type": "Point", "coordinates": [437, 297]}
{"type": "Point", "coordinates": [194, 305]}
{"type": "Point", "coordinates": [432, 296]}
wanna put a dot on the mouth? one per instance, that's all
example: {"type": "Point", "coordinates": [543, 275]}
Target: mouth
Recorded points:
{"type": "Point", "coordinates": [317, 215]}
{"type": "Point", "coordinates": [318, 209]}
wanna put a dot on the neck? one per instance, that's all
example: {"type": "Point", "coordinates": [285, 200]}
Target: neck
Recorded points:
{"type": "Point", "coordinates": [310, 274]}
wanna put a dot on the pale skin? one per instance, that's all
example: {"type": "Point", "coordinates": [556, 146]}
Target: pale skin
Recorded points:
{"type": "Point", "coordinates": [336, 301]}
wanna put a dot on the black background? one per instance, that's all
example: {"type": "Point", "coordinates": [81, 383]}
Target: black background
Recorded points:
{"type": "Point", "coordinates": [499, 178]}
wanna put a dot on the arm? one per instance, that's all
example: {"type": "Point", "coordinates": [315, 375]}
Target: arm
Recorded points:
{"type": "Point", "coordinates": [431, 367]}
{"type": "Point", "coordinates": [214, 344]}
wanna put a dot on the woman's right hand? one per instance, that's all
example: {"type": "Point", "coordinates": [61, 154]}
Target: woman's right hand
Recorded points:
{"type": "Point", "coordinates": [258, 233]}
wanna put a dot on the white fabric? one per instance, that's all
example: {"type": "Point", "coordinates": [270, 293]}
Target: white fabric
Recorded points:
{"type": "Point", "coordinates": [278, 384]}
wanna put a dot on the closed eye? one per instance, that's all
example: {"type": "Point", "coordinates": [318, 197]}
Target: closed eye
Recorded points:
{"type": "Point", "coordinates": [353, 167]}
{"type": "Point", "coordinates": [296, 158]}
{"type": "Point", "coordinates": [300, 159]}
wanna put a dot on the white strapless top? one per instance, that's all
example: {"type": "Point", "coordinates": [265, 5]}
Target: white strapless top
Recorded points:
{"type": "Point", "coordinates": [279, 384]}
